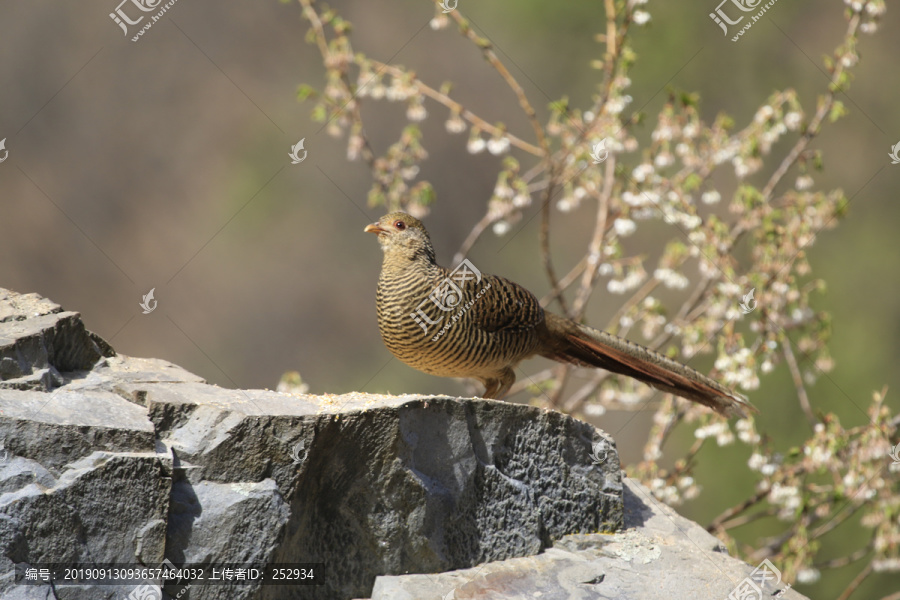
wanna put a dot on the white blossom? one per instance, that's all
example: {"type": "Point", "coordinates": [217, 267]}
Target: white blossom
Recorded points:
{"type": "Point", "coordinates": [671, 279]}
{"type": "Point", "coordinates": [764, 113]}
{"type": "Point", "coordinates": [498, 145]}
{"type": "Point", "coordinates": [633, 199]}
{"type": "Point", "coordinates": [616, 105]}
{"type": "Point", "coordinates": [641, 172]}
{"type": "Point", "coordinates": [475, 145]}
{"type": "Point", "coordinates": [501, 228]}
{"type": "Point", "coordinates": [624, 227]}
{"type": "Point", "coordinates": [713, 429]}
{"type": "Point", "coordinates": [710, 197]}
{"type": "Point", "coordinates": [605, 269]}
{"type": "Point", "coordinates": [663, 159]}
{"type": "Point", "coordinates": [804, 182]}
{"type": "Point", "coordinates": [746, 433]}
{"type": "Point", "coordinates": [792, 120]}
{"type": "Point", "coordinates": [416, 112]}
{"type": "Point", "coordinates": [439, 22]}
{"type": "Point", "coordinates": [808, 575]}
{"type": "Point", "coordinates": [455, 124]}
{"type": "Point", "coordinates": [521, 200]}
{"type": "Point", "coordinates": [817, 454]}
{"type": "Point", "coordinates": [757, 461]}
{"type": "Point", "coordinates": [641, 17]}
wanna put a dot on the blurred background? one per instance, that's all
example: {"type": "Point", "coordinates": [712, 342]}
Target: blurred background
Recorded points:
{"type": "Point", "coordinates": [163, 163]}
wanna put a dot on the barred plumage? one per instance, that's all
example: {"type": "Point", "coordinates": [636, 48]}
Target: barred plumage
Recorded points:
{"type": "Point", "coordinates": [462, 323]}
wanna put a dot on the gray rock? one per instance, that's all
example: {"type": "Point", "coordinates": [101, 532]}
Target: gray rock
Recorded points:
{"type": "Point", "coordinates": [57, 428]}
{"type": "Point", "coordinates": [660, 556]}
{"type": "Point", "coordinates": [108, 458]}
{"type": "Point", "coordinates": [38, 341]}
{"type": "Point", "coordinates": [383, 484]}
{"type": "Point", "coordinates": [210, 522]}
{"type": "Point", "coordinates": [97, 511]}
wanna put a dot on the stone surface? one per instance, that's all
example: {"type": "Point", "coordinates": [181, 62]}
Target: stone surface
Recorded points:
{"type": "Point", "coordinates": [660, 556]}
{"type": "Point", "coordinates": [109, 458]}
{"type": "Point", "coordinates": [38, 340]}
{"type": "Point", "coordinates": [113, 459]}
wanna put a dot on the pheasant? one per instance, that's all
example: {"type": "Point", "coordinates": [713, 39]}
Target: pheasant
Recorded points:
{"type": "Point", "coordinates": [463, 323]}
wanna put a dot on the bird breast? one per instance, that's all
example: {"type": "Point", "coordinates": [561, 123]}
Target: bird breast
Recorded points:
{"type": "Point", "coordinates": [429, 320]}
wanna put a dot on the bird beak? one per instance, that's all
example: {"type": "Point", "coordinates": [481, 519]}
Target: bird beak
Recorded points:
{"type": "Point", "coordinates": [375, 228]}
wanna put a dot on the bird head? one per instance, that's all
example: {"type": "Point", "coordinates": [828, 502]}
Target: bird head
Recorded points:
{"type": "Point", "coordinates": [401, 234]}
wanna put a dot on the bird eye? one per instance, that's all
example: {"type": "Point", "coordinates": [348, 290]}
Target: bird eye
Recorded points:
{"type": "Point", "coordinates": [400, 225]}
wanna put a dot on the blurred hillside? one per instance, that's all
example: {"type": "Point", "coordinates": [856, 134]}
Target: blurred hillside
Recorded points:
{"type": "Point", "coordinates": [164, 164]}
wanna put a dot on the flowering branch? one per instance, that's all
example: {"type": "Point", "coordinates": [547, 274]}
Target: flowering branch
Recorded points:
{"type": "Point", "coordinates": [742, 312]}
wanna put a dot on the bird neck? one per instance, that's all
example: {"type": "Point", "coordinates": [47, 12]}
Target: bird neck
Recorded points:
{"type": "Point", "coordinates": [419, 258]}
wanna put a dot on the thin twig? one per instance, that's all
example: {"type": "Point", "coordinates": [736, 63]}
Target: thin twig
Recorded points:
{"type": "Point", "coordinates": [811, 132]}
{"type": "Point", "coordinates": [567, 280]}
{"type": "Point", "coordinates": [456, 106]}
{"type": "Point", "coordinates": [596, 245]}
{"type": "Point", "coordinates": [843, 561]}
{"type": "Point", "coordinates": [472, 238]}
{"type": "Point", "coordinates": [313, 17]}
{"type": "Point", "coordinates": [561, 374]}
{"type": "Point", "coordinates": [749, 518]}
{"type": "Point", "coordinates": [544, 239]}
{"type": "Point", "coordinates": [322, 42]}
{"type": "Point", "coordinates": [489, 55]}
{"type": "Point", "coordinates": [717, 523]}
{"type": "Point", "coordinates": [635, 299]}
{"type": "Point", "coordinates": [802, 397]}
{"type": "Point", "coordinates": [523, 384]}
{"type": "Point", "coordinates": [577, 400]}
{"type": "Point", "coordinates": [857, 581]}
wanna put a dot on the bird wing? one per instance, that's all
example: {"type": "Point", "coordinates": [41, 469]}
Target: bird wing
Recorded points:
{"type": "Point", "coordinates": [505, 306]}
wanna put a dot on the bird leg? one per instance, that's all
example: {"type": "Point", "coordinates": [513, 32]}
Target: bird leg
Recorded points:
{"type": "Point", "coordinates": [496, 387]}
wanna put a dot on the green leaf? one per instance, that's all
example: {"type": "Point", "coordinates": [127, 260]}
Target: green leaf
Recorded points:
{"type": "Point", "coordinates": [560, 106]}
{"type": "Point", "coordinates": [424, 193]}
{"type": "Point", "coordinates": [692, 182]}
{"type": "Point", "coordinates": [837, 111]}
{"type": "Point", "coordinates": [319, 114]}
{"type": "Point", "coordinates": [305, 91]}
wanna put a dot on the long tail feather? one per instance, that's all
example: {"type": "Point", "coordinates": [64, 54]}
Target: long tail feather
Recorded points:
{"type": "Point", "coordinates": [585, 346]}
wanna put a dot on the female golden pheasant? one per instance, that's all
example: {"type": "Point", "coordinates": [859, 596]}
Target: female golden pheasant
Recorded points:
{"type": "Point", "coordinates": [463, 323]}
